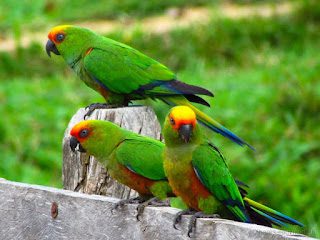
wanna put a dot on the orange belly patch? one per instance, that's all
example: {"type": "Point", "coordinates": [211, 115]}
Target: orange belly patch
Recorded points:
{"type": "Point", "coordinates": [191, 190]}
{"type": "Point", "coordinates": [135, 181]}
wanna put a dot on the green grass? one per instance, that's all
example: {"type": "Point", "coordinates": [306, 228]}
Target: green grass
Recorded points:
{"type": "Point", "coordinates": [17, 16]}
{"type": "Point", "coordinates": [73, 10]}
{"type": "Point", "coordinates": [265, 76]}
{"type": "Point", "coordinates": [36, 114]}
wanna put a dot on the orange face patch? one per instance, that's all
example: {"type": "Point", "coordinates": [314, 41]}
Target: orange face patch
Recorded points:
{"type": "Point", "coordinates": [59, 30]}
{"type": "Point", "coordinates": [81, 130]}
{"type": "Point", "coordinates": [182, 115]}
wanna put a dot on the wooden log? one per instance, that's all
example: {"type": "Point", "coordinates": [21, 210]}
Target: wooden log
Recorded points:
{"type": "Point", "coordinates": [37, 212]}
{"type": "Point", "coordinates": [82, 173]}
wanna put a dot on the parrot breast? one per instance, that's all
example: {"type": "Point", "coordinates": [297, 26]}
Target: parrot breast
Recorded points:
{"type": "Point", "coordinates": [185, 183]}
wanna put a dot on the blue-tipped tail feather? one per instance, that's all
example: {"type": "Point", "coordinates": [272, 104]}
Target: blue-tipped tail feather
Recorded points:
{"type": "Point", "coordinates": [272, 215]}
{"type": "Point", "coordinates": [226, 133]}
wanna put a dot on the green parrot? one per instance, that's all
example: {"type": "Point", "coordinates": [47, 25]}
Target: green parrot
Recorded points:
{"type": "Point", "coordinates": [121, 74]}
{"type": "Point", "coordinates": [198, 173]}
{"type": "Point", "coordinates": [132, 159]}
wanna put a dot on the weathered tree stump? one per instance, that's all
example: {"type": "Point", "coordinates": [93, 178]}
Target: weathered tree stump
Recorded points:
{"type": "Point", "coordinates": [82, 173]}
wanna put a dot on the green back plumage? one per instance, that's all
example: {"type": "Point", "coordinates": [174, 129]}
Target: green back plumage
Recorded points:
{"type": "Point", "coordinates": [145, 160]}
{"type": "Point", "coordinates": [124, 69]}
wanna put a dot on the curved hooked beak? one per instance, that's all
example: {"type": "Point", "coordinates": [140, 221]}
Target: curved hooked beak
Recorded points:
{"type": "Point", "coordinates": [75, 145]}
{"type": "Point", "coordinates": [51, 47]}
{"type": "Point", "coordinates": [185, 132]}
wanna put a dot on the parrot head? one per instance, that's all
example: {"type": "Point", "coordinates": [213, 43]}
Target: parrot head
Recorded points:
{"type": "Point", "coordinates": [80, 133]}
{"type": "Point", "coordinates": [88, 136]}
{"type": "Point", "coordinates": [180, 124]}
{"type": "Point", "coordinates": [95, 137]}
{"type": "Point", "coordinates": [71, 42]}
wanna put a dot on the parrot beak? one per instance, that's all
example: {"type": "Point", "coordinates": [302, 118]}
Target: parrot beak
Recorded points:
{"type": "Point", "coordinates": [75, 145]}
{"type": "Point", "coordinates": [51, 47]}
{"type": "Point", "coordinates": [185, 132]}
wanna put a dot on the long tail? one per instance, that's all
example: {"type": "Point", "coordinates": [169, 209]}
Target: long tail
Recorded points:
{"type": "Point", "coordinates": [207, 121]}
{"type": "Point", "coordinates": [264, 215]}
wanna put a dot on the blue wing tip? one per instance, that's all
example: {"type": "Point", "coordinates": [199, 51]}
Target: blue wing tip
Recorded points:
{"type": "Point", "coordinates": [272, 219]}
{"type": "Point", "coordinates": [228, 134]}
{"type": "Point", "coordinates": [251, 147]}
{"type": "Point", "coordinates": [236, 139]}
{"type": "Point", "coordinates": [279, 218]}
{"type": "Point", "coordinates": [291, 220]}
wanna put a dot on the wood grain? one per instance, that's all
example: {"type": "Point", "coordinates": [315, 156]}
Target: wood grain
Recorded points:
{"type": "Point", "coordinates": [26, 213]}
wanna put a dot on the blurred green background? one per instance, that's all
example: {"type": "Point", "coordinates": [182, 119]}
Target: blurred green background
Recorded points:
{"type": "Point", "coordinates": [264, 70]}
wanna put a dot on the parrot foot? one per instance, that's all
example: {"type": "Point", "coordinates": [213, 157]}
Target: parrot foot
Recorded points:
{"type": "Point", "coordinates": [178, 216]}
{"type": "Point", "coordinates": [152, 201]}
{"type": "Point", "coordinates": [95, 106]}
{"type": "Point", "coordinates": [121, 203]}
{"type": "Point", "coordinates": [193, 220]}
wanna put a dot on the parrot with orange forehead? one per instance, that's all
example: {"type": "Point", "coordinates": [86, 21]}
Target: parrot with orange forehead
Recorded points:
{"type": "Point", "coordinates": [121, 74]}
{"type": "Point", "coordinates": [198, 173]}
{"type": "Point", "coordinates": [133, 160]}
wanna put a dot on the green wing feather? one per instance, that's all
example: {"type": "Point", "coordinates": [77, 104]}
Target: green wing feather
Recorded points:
{"type": "Point", "coordinates": [213, 172]}
{"type": "Point", "coordinates": [142, 156]}
{"type": "Point", "coordinates": [123, 69]}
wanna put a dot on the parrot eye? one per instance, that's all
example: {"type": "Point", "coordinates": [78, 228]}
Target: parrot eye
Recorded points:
{"type": "Point", "coordinates": [172, 122]}
{"type": "Point", "coordinates": [84, 133]}
{"type": "Point", "coordinates": [60, 37]}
